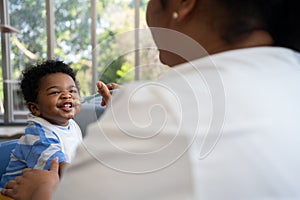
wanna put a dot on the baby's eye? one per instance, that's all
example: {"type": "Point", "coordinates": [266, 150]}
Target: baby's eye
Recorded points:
{"type": "Point", "coordinates": [73, 91]}
{"type": "Point", "coordinates": [54, 92]}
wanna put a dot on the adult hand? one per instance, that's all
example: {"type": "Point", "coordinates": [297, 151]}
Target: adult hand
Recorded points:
{"type": "Point", "coordinates": [34, 184]}
{"type": "Point", "coordinates": [105, 91]}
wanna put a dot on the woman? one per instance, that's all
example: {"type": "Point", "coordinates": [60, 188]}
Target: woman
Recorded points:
{"type": "Point", "coordinates": [223, 126]}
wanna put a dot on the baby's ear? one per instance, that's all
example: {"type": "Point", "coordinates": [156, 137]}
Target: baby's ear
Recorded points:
{"type": "Point", "coordinates": [34, 108]}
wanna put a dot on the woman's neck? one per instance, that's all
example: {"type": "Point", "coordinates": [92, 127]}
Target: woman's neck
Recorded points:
{"type": "Point", "coordinates": [254, 39]}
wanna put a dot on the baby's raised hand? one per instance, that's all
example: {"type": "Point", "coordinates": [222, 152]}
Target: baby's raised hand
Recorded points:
{"type": "Point", "coordinates": [105, 91]}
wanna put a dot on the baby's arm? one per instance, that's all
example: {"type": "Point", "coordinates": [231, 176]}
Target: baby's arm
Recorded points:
{"type": "Point", "coordinates": [40, 146]}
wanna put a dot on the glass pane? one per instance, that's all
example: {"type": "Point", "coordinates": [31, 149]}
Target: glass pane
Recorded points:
{"type": "Point", "coordinates": [111, 30]}
{"type": "Point", "coordinates": [1, 85]}
{"type": "Point", "coordinates": [73, 38]}
{"type": "Point", "coordinates": [28, 47]}
{"type": "Point", "coordinates": [121, 58]}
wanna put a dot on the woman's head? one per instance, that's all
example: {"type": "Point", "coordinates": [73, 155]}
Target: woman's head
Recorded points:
{"type": "Point", "coordinates": [220, 25]}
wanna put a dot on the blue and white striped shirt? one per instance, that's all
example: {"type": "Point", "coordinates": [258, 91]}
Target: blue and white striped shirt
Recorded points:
{"type": "Point", "coordinates": [41, 143]}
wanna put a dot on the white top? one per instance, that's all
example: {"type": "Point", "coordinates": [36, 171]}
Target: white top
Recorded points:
{"type": "Point", "coordinates": [223, 127]}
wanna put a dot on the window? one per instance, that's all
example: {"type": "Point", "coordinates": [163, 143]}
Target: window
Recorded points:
{"type": "Point", "coordinates": [87, 34]}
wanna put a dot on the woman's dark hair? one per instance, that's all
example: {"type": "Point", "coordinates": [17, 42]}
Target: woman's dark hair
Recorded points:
{"type": "Point", "coordinates": [281, 18]}
{"type": "Point", "coordinates": [163, 3]}
{"type": "Point", "coordinates": [31, 77]}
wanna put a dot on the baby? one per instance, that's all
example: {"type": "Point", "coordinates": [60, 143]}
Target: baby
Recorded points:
{"type": "Point", "coordinates": [51, 91]}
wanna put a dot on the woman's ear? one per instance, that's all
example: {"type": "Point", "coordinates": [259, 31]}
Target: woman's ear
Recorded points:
{"type": "Point", "coordinates": [185, 8]}
{"type": "Point", "coordinates": [34, 108]}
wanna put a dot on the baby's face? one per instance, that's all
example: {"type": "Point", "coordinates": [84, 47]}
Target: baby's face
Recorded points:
{"type": "Point", "coordinates": [57, 97]}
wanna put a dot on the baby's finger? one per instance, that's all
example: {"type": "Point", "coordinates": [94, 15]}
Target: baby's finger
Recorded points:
{"type": "Point", "coordinates": [104, 91]}
{"type": "Point", "coordinates": [99, 85]}
{"type": "Point", "coordinates": [112, 86]}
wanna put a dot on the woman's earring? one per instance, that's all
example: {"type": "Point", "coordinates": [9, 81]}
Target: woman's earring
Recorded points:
{"type": "Point", "coordinates": [175, 15]}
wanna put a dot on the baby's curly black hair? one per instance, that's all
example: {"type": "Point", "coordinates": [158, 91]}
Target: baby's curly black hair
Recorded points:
{"type": "Point", "coordinates": [31, 77]}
